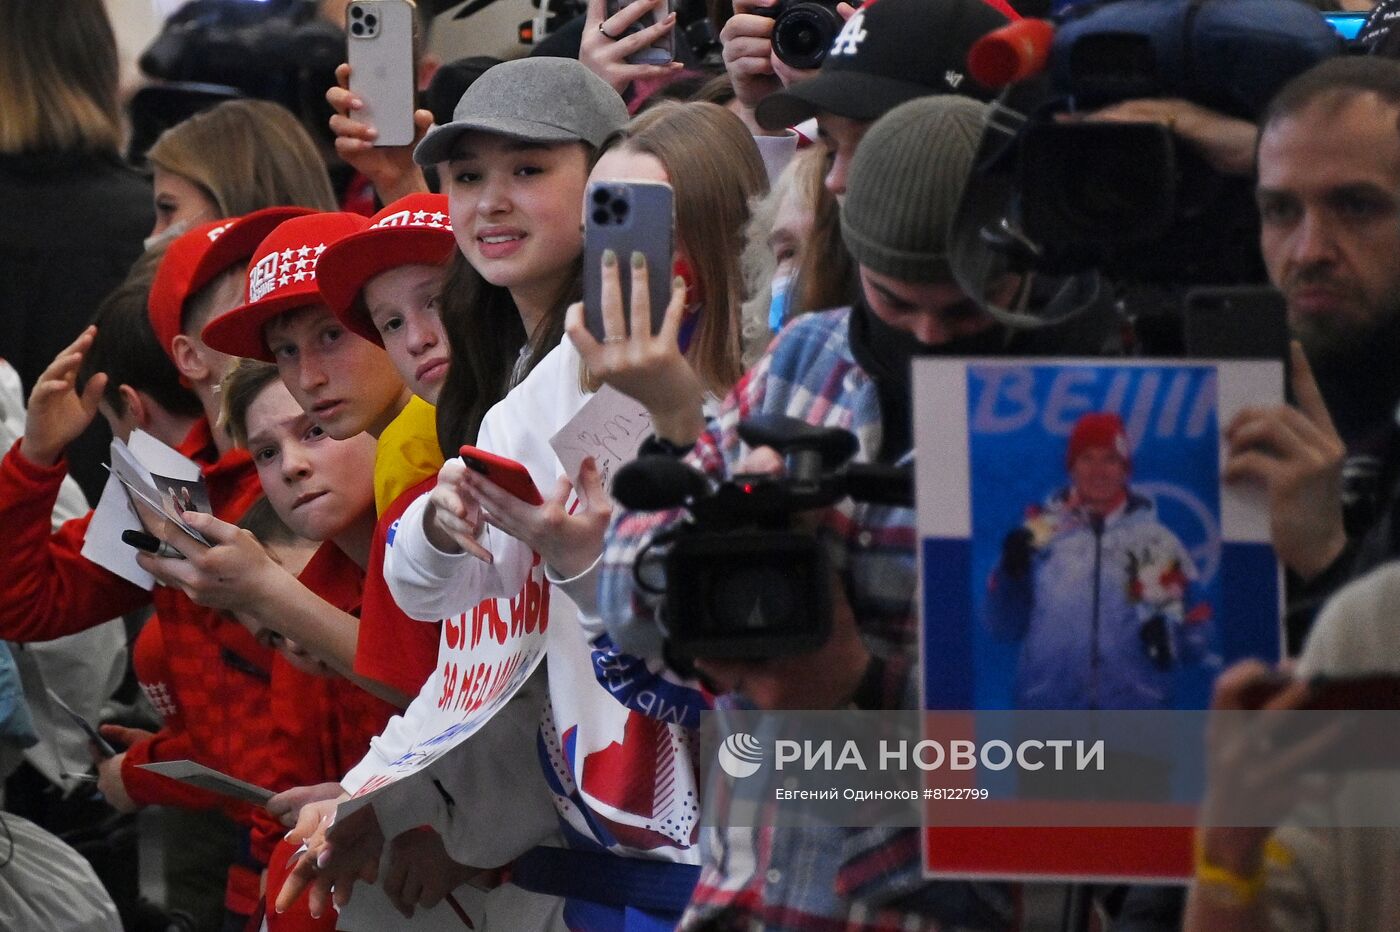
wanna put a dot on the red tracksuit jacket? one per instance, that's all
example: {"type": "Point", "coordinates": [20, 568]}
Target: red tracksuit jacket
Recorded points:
{"type": "Point", "coordinates": [321, 725]}
{"type": "Point", "coordinates": [218, 674]}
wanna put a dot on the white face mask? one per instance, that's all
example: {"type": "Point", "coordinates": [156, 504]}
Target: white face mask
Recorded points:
{"type": "Point", "coordinates": [168, 235]}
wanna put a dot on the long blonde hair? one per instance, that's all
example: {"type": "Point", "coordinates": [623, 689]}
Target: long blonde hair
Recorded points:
{"type": "Point", "coordinates": [58, 77]}
{"type": "Point", "coordinates": [246, 155]}
{"type": "Point", "coordinates": [715, 171]}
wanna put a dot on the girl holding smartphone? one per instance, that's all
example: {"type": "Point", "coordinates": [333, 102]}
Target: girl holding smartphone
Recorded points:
{"type": "Point", "coordinates": [471, 538]}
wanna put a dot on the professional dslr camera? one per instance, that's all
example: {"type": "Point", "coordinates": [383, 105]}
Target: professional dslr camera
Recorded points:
{"type": "Point", "coordinates": [804, 30]}
{"type": "Point", "coordinates": [740, 579]}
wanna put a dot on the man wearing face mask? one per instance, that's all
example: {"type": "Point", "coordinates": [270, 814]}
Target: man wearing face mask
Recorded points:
{"type": "Point", "coordinates": [848, 368]}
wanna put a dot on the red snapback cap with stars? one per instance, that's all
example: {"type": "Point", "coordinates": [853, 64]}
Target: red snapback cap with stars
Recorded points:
{"type": "Point", "coordinates": [414, 230]}
{"type": "Point", "coordinates": [200, 255]}
{"type": "Point", "coordinates": [281, 278]}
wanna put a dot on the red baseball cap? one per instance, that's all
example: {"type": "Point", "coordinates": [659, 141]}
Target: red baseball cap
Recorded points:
{"type": "Point", "coordinates": [414, 230]}
{"type": "Point", "coordinates": [200, 255]}
{"type": "Point", "coordinates": [281, 278]}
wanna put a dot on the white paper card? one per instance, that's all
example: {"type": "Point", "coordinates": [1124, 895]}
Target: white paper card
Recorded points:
{"type": "Point", "coordinates": [609, 427]}
{"type": "Point", "coordinates": [103, 542]}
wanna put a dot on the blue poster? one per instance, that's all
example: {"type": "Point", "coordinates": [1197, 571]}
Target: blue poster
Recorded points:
{"type": "Point", "coordinates": [1078, 548]}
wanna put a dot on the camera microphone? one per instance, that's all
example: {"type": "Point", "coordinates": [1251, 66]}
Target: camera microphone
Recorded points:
{"type": "Point", "coordinates": [1012, 53]}
{"type": "Point", "coordinates": [654, 483]}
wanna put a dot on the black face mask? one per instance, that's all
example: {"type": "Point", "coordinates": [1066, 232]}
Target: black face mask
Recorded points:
{"type": "Point", "coordinates": [886, 353]}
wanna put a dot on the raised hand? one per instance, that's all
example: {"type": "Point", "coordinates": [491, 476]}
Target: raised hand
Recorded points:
{"type": "Point", "coordinates": [607, 57]}
{"type": "Point", "coordinates": [649, 368]}
{"type": "Point", "coordinates": [58, 413]}
{"type": "Point", "coordinates": [390, 169]}
{"type": "Point", "coordinates": [1296, 454]}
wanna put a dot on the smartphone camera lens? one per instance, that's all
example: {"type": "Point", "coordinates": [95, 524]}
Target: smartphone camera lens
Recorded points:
{"type": "Point", "coordinates": [602, 218]}
{"type": "Point", "coordinates": [371, 20]}
{"type": "Point", "coordinates": [356, 12]}
{"type": "Point", "coordinates": [600, 196]}
{"type": "Point", "coordinates": [619, 209]}
{"type": "Point", "coordinates": [357, 29]}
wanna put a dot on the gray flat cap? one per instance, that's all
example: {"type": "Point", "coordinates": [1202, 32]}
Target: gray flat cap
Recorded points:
{"type": "Point", "coordinates": [535, 99]}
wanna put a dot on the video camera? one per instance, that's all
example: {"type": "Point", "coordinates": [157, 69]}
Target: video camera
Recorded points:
{"type": "Point", "coordinates": [741, 579]}
{"type": "Point", "coordinates": [1130, 200]}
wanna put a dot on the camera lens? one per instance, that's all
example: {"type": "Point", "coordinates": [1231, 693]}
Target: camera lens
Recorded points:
{"type": "Point", "coordinates": [371, 20]}
{"type": "Point", "coordinates": [619, 208]}
{"type": "Point", "coordinates": [600, 196]}
{"type": "Point", "coordinates": [356, 12]}
{"type": "Point", "coordinates": [602, 218]}
{"type": "Point", "coordinates": [357, 29]}
{"type": "Point", "coordinates": [803, 34]}
{"type": "Point", "coordinates": [755, 600]}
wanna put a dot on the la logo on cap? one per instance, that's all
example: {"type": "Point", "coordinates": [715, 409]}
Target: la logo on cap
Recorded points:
{"type": "Point", "coordinates": [415, 218]}
{"type": "Point", "coordinates": [851, 36]}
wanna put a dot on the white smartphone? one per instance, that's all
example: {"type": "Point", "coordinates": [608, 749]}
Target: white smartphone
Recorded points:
{"type": "Point", "coordinates": [379, 40]}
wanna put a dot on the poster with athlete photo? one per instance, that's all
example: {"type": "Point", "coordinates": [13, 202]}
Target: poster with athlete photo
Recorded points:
{"type": "Point", "coordinates": [1080, 552]}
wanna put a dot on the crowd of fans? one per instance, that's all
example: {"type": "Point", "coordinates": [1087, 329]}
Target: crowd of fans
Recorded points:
{"type": "Point", "coordinates": [320, 324]}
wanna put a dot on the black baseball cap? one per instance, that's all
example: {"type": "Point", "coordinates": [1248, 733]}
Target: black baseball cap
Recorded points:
{"type": "Point", "coordinates": [889, 52]}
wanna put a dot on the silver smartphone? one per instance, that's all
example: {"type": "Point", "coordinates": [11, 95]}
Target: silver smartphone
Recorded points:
{"type": "Point", "coordinates": [627, 217]}
{"type": "Point", "coordinates": [379, 49]}
{"type": "Point", "coordinates": [664, 51]}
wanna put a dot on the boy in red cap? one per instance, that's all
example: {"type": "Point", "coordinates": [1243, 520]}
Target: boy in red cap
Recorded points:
{"type": "Point", "coordinates": [348, 386]}
{"type": "Point", "coordinates": [1096, 588]}
{"type": "Point", "coordinates": [196, 279]}
{"type": "Point", "coordinates": [216, 669]}
{"type": "Point", "coordinates": [320, 488]}
{"type": "Point", "coordinates": [199, 278]}
{"type": "Point", "coordinates": [385, 283]}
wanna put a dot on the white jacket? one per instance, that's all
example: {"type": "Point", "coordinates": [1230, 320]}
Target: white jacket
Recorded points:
{"type": "Point", "coordinates": [595, 746]}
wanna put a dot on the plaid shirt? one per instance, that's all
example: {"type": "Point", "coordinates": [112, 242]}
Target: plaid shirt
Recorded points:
{"type": "Point", "coordinates": [798, 878]}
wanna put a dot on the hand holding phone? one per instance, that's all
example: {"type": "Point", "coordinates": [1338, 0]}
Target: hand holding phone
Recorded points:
{"type": "Point", "coordinates": [625, 19]}
{"type": "Point", "coordinates": [623, 218]}
{"type": "Point", "coordinates": [506, 473]}
{"type": "Point", "coordinates": [379, 36]}
{"type": "Point", "coordinates": [1249, 322]}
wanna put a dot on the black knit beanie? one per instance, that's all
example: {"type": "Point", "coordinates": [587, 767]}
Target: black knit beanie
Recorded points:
{"type": "Point", "coordinates": [905, 183]}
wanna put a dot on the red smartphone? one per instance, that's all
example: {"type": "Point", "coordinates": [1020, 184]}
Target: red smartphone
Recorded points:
{"type": "Point", "coordinates": [508, 474]}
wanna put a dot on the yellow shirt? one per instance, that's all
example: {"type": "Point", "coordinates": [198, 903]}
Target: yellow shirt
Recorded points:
{"type": "Point", "coordinates": [407, 453]}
